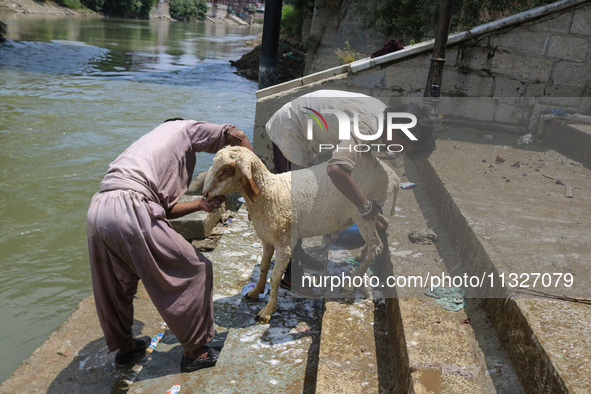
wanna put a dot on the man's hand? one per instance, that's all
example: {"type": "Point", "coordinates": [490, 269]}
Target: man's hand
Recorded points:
{"type": "Point", "coordinates": [373, 210]}
{"type": "Point", "coordinates": [237, 137]}
{"type": "Point", "coordinates": [211, 205]}
{"type": "Point", "coordinates": [184, 208]}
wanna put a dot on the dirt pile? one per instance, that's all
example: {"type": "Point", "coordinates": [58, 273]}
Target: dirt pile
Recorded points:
{"type": "Point", "coordinates": [291, 59]}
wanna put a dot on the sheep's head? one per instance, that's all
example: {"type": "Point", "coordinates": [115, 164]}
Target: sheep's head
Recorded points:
{"type": "Point", "coordinates": [230, 173]}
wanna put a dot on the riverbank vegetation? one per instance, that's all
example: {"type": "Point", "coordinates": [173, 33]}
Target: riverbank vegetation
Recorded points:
{"type": "Point", "coordinates": [412, 21]}
{"type": "Point", "coordinates": [179, 9]}
{"type": "Point", "coordinates": [123, 8]}
{"type": "Point", "coordinates": [188, 9]}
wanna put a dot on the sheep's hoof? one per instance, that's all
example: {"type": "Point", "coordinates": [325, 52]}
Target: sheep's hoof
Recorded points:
{"type": "Point", "coordinates": [252, 295]}
{"type": "Point", "coordinates": [263, 317]}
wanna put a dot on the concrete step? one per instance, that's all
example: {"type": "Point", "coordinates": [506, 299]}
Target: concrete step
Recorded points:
{"type": "Point", "coordinates": [352, 355]}
{"type": "Point", "coordinates": [233, 261]}
{"type": "Point", "coordinates": [197, 225]}
{"type": "Point", "coordinates": [236, 19]}
{"type": "Point", "coordinates": [438, 350]}
{"type": "Point", "coordinates": [410, 343]}
{"type": "Point", "coordinates": [509, 216]}
{"type": "Point", "coordinates": [280, 356]}
{"type": "Point", "coordinates": [349, 359]}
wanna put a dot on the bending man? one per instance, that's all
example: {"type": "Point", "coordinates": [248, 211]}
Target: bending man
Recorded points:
{"type": "Point", "coordinates": [130, 238]}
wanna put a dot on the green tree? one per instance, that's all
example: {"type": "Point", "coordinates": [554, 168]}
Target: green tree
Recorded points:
{"type": "Point", "coordinates": [291, 21]}
{"type": "Point", "coordinates": [188, 9]}
{"type": "Point", "coordinates": [416, 20]}
{"type": "Point", "coordinates": [95, 5]}
{"type": "Point", "coordinates": [126, 8]}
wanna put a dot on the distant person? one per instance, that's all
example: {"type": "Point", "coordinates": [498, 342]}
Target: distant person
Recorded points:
{"type": "Point", "coordinates": [129, 238]}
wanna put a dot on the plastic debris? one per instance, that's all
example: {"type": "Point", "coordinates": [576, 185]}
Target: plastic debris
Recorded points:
{"type": "Point", "coordinates": [241, 199]}
{"type": "Point", "coordinates": [174, 389]}
{"type": "Point", "coordinates": [558, 112]}
{"type": "Point", "coordinates": [525, 139]}
{"type": "Point", "coordinates": [451, 299]}
{"type": "Point", "coordinates": [154, 342]}
{"type": "Point", "coordinates": [407, 185]}
{"type": "Point", "coordinates": [352, 261]}
{"type": "Point", "coordinates": [249, 286]}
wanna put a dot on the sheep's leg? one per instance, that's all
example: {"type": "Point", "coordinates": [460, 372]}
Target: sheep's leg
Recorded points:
{"type": "Point", "coordinates": [374, 245]}
{"type": "Point", "coordinates": [268, 250]}
{"type": "Point", "coordinates": [362, 255]}
{"type": "Point", "coordinates": [281, 262]}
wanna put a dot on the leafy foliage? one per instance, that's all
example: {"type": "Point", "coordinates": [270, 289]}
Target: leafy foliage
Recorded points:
{"type": "Point", "coordinates": [188, 9]}
{"type": "Point", "coordinates": [291, 21]}
{"type": "Point", "coordinates": [417, 19]}
{"type": "Point", "coordinates": [126, 8]}
{"type": "Point", "coordinates": [95, 5]}
{"type": "Point", "coordinates": [293, 14]}
{"type": "Point", "coordinates": [347, 55]}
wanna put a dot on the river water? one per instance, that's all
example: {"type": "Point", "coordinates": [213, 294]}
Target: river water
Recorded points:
{"type": "Point", "coordinates": [74, 93]}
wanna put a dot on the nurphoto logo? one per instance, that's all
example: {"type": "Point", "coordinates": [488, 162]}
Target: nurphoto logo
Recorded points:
{"type": "Point", "coordinates": [344, 130]}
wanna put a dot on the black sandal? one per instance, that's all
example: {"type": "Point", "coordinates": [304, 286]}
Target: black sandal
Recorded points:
{"type": "Point", "coordinates": [189, 364]}
{"type": "Point", "coordinates": [140, 345]}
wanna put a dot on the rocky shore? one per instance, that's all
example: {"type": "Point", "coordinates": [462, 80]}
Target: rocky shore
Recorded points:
{"type": "Point", "coordinates": [291, 59]}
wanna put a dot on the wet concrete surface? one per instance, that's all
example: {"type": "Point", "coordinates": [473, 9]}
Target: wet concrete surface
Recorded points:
{"type": "Point", "coordinates": [278, 357]}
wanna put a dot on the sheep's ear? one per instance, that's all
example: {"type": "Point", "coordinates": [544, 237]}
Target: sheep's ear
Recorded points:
{"type": "Point", "coordinates": [226, 171]}
{"type": "Point", "coordinates": [248, 185]}
{"type": "Point", "coordinates": [250, 188]}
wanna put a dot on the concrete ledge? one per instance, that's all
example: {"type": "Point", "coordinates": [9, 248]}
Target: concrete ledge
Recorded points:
{"type": "Point", "coordinates": [347, 361]}
{"type": "Point", "coordinates": [197, 225]}
{"type": "Point", "coordinates": [573, 140]}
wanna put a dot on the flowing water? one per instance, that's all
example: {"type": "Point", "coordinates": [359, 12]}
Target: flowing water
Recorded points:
{"type": "Point", "coordinates": [74, 93]}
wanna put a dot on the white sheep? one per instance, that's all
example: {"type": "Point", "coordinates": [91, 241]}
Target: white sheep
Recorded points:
{"type": "Point", "coordinates": [298, 204]}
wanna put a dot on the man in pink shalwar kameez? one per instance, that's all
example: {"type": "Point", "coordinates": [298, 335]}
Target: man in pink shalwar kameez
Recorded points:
{"type": "Point", "coordinates": [129, 238]}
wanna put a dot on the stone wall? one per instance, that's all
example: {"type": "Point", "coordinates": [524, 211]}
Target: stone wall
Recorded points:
{"type": "Point", "coordinates": [327, 34]}
{"type": "Point", "coordinates": [544, 56]}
